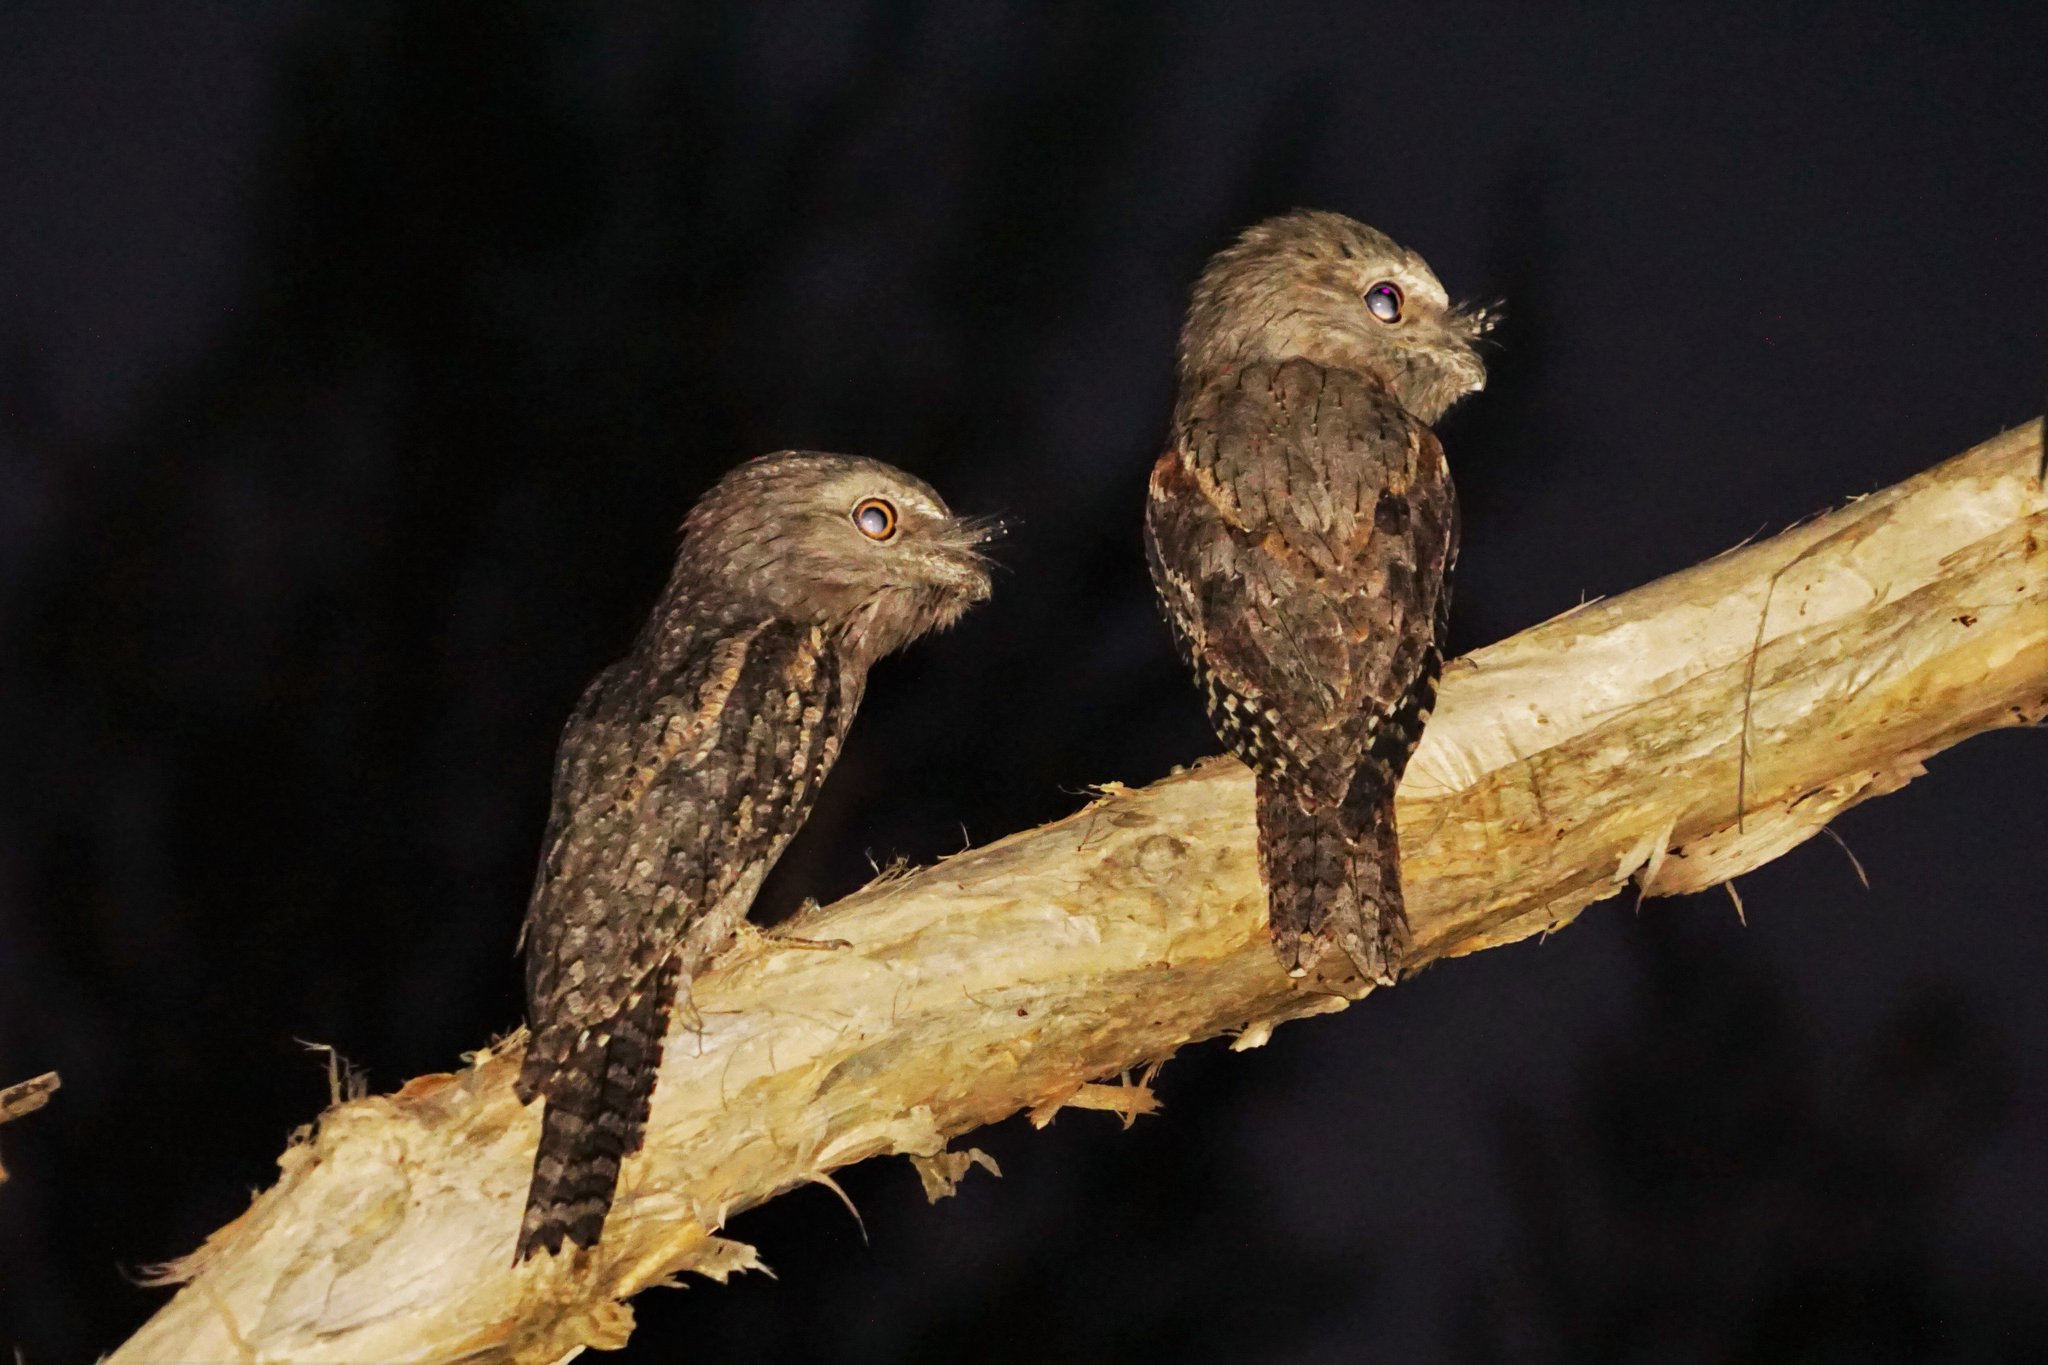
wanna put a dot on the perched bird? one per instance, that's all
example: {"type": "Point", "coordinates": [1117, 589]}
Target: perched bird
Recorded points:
{"type": "Point", "coordinates": [686, 767]}
{"type": "Point", "coordinates": [1301, 529]}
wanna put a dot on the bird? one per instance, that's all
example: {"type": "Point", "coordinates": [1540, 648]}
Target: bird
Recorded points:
{"type": "Point", "coordinates": [686, 767]}
{"type": "Point", "coordinates": [1301, 529]}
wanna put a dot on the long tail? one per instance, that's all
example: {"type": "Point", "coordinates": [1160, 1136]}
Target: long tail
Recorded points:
{"type": "Point", "coordinates": [598, 1084]}
{"type": "Point", "coordinates": [1333, 881]}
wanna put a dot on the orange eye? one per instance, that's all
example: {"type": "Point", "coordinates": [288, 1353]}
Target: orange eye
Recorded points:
{"type": "Point", "coordinates": [875, 518]}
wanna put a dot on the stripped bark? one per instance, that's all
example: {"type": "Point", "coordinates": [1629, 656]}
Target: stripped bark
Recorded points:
{"type": "Point", "coordinates": [1670, 738]}
{"type": "Point", "coordinates": [25, 1097]}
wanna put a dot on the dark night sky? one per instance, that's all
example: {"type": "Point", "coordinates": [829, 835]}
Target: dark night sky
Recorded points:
{"type": "Point", "coordinates": [357, 359]}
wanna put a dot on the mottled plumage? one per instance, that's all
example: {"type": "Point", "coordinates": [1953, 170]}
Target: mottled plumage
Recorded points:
{"type": "Point", "coordinates": [686, 767]}
{"type": "Point", "coordinates": [1301, 530]}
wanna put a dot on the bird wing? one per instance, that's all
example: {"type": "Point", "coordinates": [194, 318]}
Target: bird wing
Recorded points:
{"type": "Point", "coordinates": [675, 790]}
{"type": "Point", "coordinates": [668, 790]}
{"type": "Point", "coordinates": [1300, 531]}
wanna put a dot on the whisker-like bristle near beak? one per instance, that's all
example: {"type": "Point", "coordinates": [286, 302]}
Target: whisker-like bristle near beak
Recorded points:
{"type": "Point", "coordinates": [1484, 318]}
{"type": "Point", "coordinates": [984, 530]}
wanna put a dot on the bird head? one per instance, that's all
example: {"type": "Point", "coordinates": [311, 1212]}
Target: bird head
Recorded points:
{"type": "Point", "coordinates": [856, 546]}
{"type": "Point", "coordinates": [1329, 289]}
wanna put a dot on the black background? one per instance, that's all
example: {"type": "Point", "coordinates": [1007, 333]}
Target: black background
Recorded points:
{"type": "Point", "coordinates": [357, 360]}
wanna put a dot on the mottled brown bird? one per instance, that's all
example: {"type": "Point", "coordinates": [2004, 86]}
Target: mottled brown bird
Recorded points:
{"type": "Point", "coordinates": [686, 767]}
{"type": "Point", "coordinates": [1301, 530]}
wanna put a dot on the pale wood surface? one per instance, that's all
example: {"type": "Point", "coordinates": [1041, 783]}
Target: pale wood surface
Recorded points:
{"type": "Point", "coordinates": [1598, 750]}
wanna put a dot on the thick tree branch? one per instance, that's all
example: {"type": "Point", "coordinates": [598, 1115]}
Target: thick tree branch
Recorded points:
{"type": "Point", "coordinates": [1673, 737]}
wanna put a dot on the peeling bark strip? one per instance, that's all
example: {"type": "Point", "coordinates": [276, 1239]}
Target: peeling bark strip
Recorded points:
{"type": "Point", "coordinates": [1600, 748]}
{"type": "Point", "coordinates": [25, 1097]}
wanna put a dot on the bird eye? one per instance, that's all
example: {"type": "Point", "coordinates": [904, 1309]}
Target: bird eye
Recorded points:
{"type": "Point", "coordinates": [1383, 301]}
{"type": "Point", "coordinates": [875, 518]}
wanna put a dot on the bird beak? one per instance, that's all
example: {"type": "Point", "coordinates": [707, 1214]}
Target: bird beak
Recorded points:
{"type": "Point", "coordinates": [962, 565]}
{"type": "Point", "coordinates": [1473, 370]}
{"type": "Point", "coordinates": [1469, 328]}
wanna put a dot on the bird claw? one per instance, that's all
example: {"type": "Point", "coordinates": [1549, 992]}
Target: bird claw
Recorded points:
{"type": "Point", "coordinates": [782, 938]}
{"type": "Point", "coordinates": [824, 945]}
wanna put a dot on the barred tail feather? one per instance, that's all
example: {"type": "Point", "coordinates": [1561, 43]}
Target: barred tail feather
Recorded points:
{"type": "Point", "coordinates": [1333, 881]}
{"type": "Point", "coordinates": [598, 1098]}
